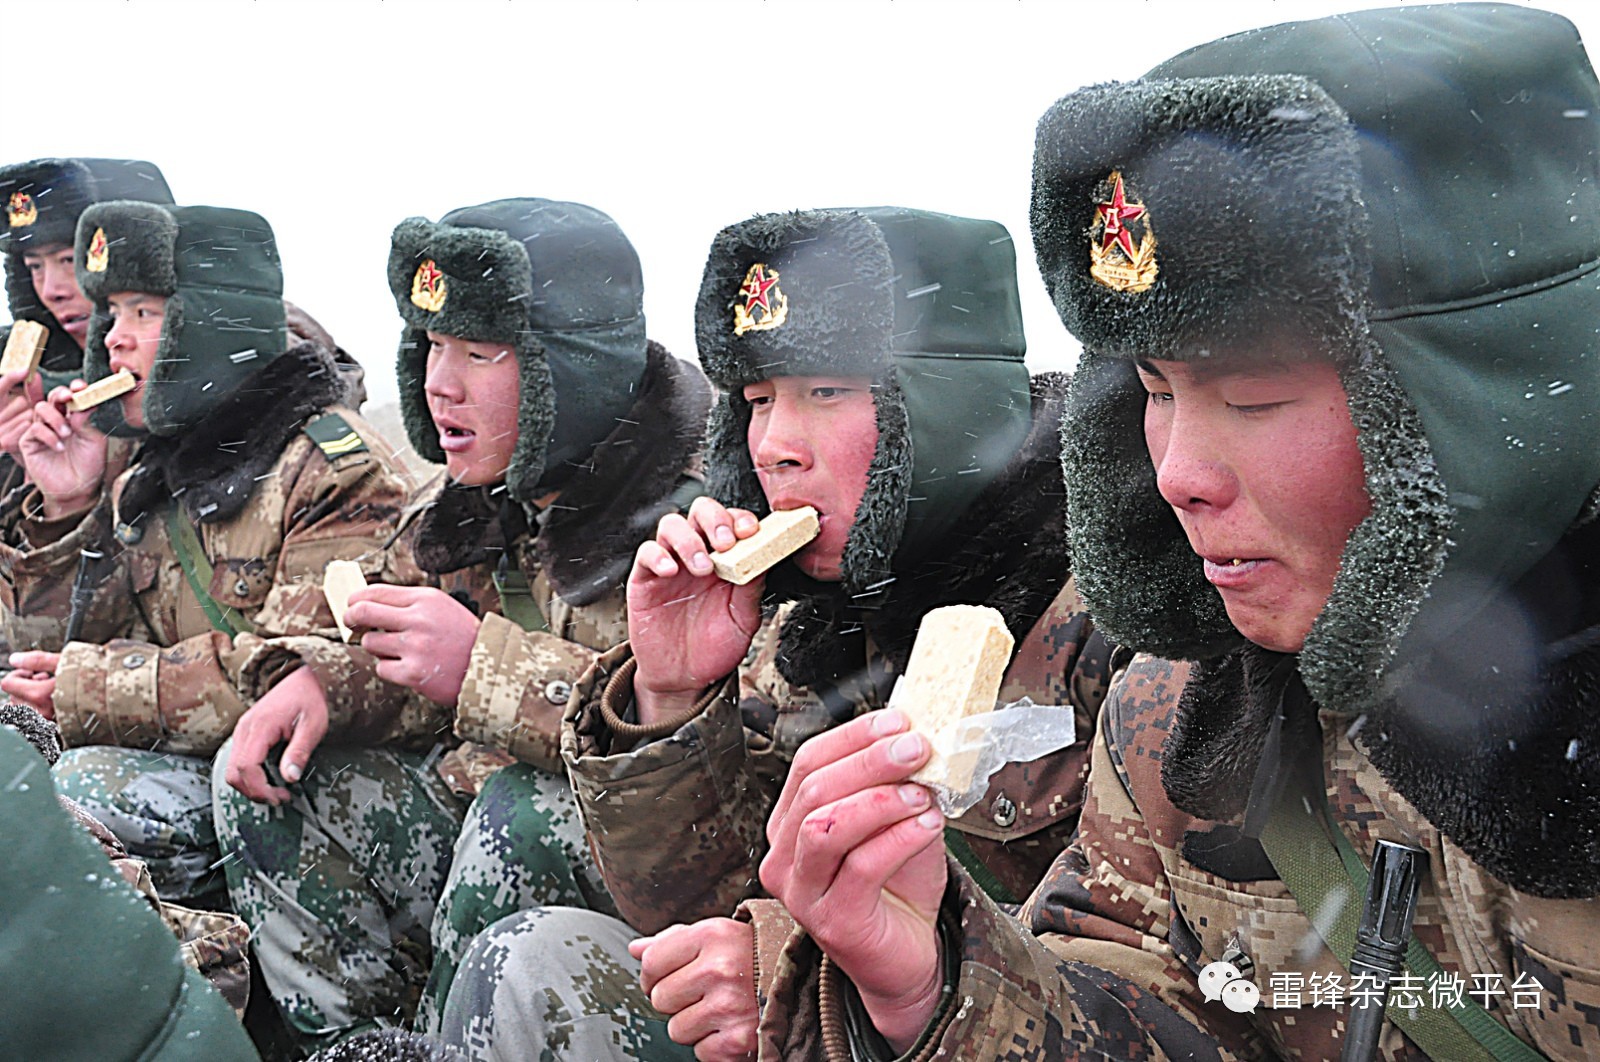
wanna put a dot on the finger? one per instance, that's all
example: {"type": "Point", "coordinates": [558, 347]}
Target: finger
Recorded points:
{"type": "Point", "coordinates": [51, 417]}
{"type": "Point", "coordinates": [391, 595]}
{"type": "Point", "coordinates": [852, 831]}
{"type": "Point", "coordinates": [651, 559]}
{"type": "Point", "coordinates": [713, 522]}
{"type": "Point", "coordinates": [401, 672]}
{"type": "Point", "coordinates": [745, 522]}
{"type": "Point", "coordinates": [680, 539]}
{"type": "Point", "coordinates": [309, 730]}
{"type": "Point", "coordinates": [34, 692]}
{"type": "Point", "coordinates": [385, 645]}
{"type": "Point", "coordinates": [665, 956]}
{"type": "Point", "coordinates": [831, 746]}
{"type": "Point", "coordinates": [374, 615]}
{"type": "Point", "coordinates": [35, 660]}
{"type": "Point", "coordinates": [10, 380]}
{"type": "Point", "coordinates": [247, 766]}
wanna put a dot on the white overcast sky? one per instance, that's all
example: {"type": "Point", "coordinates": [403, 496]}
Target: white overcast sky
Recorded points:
{"type": "Point", "coordinates": [335, 119]}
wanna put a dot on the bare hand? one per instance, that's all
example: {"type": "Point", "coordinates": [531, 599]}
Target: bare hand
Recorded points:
{"type": "Point", "coordinates": [296, 711]}
{"type": "Point", "coordinates": [421, 636]}
{"type": "Point", "coordinates": [703, 975]}
{"type": "Point", "coordinates": [18, 394]}
{"type": "Point", "coordinates": [856, 858]}
{"type": "Point", "coordinates": [63, 454]}
{"type": "Point", "coordinates": [688, 627]}
{"type": "Point", "coordinates": [33, 680]}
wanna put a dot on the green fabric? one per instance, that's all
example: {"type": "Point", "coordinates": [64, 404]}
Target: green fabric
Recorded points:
{"type": "Point", "coordinates": [516, 601]}
{"type": "Point", "coordinates": [198, 571]}
{"type": "Point", "coordinates": [1327, 879]}
{"type": "Point", "coordinates": [955, 842]}
{"type": "Point", "coordinates": [334, 436]}
{"type": "Point", "coordinates": [87, 969]}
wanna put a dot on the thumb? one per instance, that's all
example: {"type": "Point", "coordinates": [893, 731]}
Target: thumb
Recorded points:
{"type": "Point", "coordinates": [302, 743]}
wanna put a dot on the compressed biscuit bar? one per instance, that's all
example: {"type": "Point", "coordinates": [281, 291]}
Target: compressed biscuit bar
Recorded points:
{"type": "Point", "coordinates": [102, 390]}
{"type": "Point", "coordinates": [24, 347]}
{"type": "Point", "coordinates": [956, 666]}
{"type": "Point", "coordinates": [339, 580]}
{"type": "Point", "coordinates": [780, 534]}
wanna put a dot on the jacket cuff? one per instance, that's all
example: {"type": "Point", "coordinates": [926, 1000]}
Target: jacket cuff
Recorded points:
{"type": "Point", "coordinates": [48, 547]}
{"type": "Point", "coordinates": [616, 703]}
{"type": "Point", "coordinates": [518, 685]}
{"type": "Point", "coordinates": [107, 695]}
{"type": "Point", "coordinates": [363, 709]}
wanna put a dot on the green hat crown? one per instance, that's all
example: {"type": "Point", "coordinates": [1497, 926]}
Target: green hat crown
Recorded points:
{"type": "Point", "coordinates": [42, 201]}
{"type": "Point", "coordinates": [224, 319]}
{"type": "Point", "coordinates": [1411, 193]}
{"type": "Point", "coordinates": [558, 280]}
{"type": "Point", "coordinates": [924, 304]}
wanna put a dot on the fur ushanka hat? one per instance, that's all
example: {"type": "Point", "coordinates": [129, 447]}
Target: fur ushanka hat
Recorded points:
{"type": "Point", "coordinates": [559, 281]}
{"type": "Point", "coordinates": [43, 200]}
{"type": "Point", "coordinates": [926, 306]}
{"type": "Point", "coordinates": [1413, 194]}
{"type": "Point", "coordinates": [224, 319]}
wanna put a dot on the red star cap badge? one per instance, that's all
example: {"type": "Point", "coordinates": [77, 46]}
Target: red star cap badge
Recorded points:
{"type": "Point", "coordinates": [755, 288]}
{"type": "Point", "coordinates": [1114, 214]}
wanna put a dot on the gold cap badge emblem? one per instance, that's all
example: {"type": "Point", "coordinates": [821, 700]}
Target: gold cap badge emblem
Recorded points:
{"type": "Point", "coordinates": [99, 253]}
{"type": "Point", "coordinates": [427, 287]}
{"type": "Point", "coordinates": [760, 293]}
{"type": "Point", "coordinates": [1114, 260]}
{"type": "Point", "coordinates": [20, 210]}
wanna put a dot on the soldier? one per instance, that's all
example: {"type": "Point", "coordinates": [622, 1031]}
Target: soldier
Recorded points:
{"type": "Point", "coordinates": [1336, 283]}
{"type": "Point", "coordinates": [565, 435]}
{"type": "Point", "coordinates": [870, 364]}
{"type": "Point", "coordinates": [43, 199]}
{"type": "Point", "coordinates": [200, 591]}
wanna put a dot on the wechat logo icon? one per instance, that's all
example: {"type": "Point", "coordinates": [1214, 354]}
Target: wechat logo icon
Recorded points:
{"type": "Point", "coordinates": [1222, 980]}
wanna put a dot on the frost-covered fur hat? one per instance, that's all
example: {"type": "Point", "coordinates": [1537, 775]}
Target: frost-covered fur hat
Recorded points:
{"type": "Point", "coordinates": [925, 305]}
{"type": "Point", "coordinates": [224, 319]}
{"type": "Point", "coordinates": [561, 282]}
{"type": "Point", "coordinates": [42, 201]}
{"type": "Point", "coordinates": [1413, 194]}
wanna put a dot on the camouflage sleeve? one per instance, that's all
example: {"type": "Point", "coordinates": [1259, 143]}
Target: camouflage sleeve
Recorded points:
{"type": "Point", "coordinates": [38, 565]}
{"type": "Point", "coordinates": [715, 779]}
{"type": "Point", "coordinates": [517, 687]}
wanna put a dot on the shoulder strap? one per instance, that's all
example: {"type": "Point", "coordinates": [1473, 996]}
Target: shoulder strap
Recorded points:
{"type": "Point", "coordinates": [197, 569]}
{"type": "Point", "coordinates": [956, 843]}
{"type": "Point", "coordinates": [1324, 872]}
{"type": "Point", "coordinates": [516, 599]}
{"type": "Point", "coordinates": [334, 436]}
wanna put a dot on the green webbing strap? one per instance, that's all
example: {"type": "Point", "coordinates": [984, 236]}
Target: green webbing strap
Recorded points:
{"type": "Point", "coordinates": [955, 842]}
{"type": "Point", "coordinates": [516, 600]}
{"type": "Point", "coordinates": [1329, 882]}
{"type": "Point", "coordinates": [197, 569]}
{"type": "Point", "coordinates": [684, 494]}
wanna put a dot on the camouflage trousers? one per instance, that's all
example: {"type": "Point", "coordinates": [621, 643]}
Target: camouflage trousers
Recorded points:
{"type": "Point", "coordinates": [159, 806]}
{"type": "Point", "coordinates": [554, 984]}
{"type": "Point", "coordinates": [340, 884]}
{"type": "Point", "coordinates": [522, 846]}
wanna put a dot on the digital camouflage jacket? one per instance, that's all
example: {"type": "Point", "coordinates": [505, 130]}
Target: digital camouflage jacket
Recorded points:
{"type": "Point", "coordinates": [275, 487]}
{"type": "Point", "coordinates": [719, 771]}
{"type": "Point", "coordinates": [1156, 895]}
{"type": "Point", "coordinates": [574, 563]}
